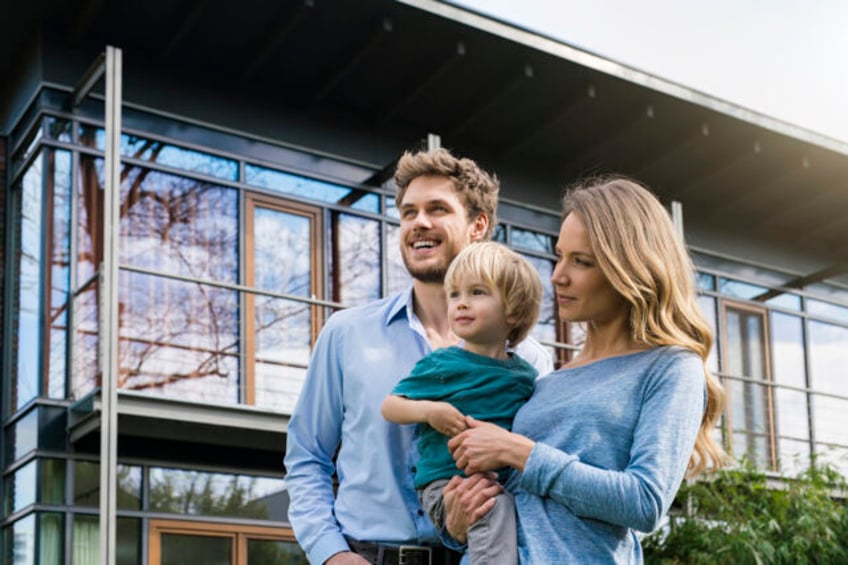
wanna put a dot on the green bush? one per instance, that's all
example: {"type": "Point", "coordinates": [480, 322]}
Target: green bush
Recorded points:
{"type": "Point", "coordinates": [739, 516]}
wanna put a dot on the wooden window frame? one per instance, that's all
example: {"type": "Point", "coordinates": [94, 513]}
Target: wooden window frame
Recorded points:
{"type": "Point", "coordinates": [768, 382]}
{"type": "Point", "coordinates": [239, 534]}
{"type": "Point", "coordinates": [315, 214]}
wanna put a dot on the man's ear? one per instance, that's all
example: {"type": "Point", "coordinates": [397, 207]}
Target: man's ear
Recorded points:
{"type": "Point", "coordinates": [479, 225]}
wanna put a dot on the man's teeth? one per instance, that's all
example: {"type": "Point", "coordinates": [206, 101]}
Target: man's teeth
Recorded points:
{"type": "Point", "coordinates": [423, 244]}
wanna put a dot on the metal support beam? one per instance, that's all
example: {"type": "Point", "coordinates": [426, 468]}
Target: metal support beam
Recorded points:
{"type": "Point", "coordinates": [677, 220]}
{"type": "Point", "coordinates": [108, 345]}
{"type": "Point", "coordinates": [89, 79]}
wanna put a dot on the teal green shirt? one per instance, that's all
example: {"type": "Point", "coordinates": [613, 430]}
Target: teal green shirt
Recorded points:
{"type": "Point", "coordinates": [483, 387]}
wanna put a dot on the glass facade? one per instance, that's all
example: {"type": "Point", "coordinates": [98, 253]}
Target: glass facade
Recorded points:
{"type": "Point", "coordinates": [228, 268]}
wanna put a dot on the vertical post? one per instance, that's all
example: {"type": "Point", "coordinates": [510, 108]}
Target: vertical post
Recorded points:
{"type": "Point", "coordinates": [109, 310]}
{"type": "Point", "coordinates": [434, 141]}
{"type": "Point", "coordinates": [677, 219]}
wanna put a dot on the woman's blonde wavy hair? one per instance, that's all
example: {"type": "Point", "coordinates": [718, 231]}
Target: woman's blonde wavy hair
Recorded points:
{"type": "Point", "coordinates": [640, 253]}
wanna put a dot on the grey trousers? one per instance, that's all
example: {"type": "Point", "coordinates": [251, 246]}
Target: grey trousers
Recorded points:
{"type": "Point", "coordinates": [493, 539]}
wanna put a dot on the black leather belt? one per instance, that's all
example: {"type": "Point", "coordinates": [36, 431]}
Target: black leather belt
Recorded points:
{"type": "Point", "coordinates": [382, 554]}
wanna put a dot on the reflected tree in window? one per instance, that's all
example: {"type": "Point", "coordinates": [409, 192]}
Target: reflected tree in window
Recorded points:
{"type": "Point", "coordinates": [355, 262]}
{"type": "Point", "coordinates": [176, 337]}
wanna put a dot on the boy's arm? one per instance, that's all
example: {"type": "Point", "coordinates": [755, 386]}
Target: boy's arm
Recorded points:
{"type": "Point", "coordinates": [441, 415]}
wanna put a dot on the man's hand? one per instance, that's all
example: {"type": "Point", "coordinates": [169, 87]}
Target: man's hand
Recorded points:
{"type": "Point", "coordinates": [445, 419]}
{"type": "Point", "coordinates": [346, 558]}
{"type": "Point", "coordinates": [468, 500]}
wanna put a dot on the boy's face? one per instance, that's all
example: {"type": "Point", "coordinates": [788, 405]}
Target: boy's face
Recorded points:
{"type": "Point", "coordinates": [434, 227]}
{"type": "Point", "coordinates": [476, 314]}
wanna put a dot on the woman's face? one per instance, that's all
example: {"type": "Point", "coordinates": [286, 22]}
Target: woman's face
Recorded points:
{"type": "Point", "coordinates": [583, 292]}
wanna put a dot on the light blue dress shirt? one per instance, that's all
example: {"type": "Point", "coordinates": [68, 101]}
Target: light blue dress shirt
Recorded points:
{"type": "Point", "coordinates": [361, 354]}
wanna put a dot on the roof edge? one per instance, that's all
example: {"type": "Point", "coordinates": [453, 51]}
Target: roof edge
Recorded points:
{"type": "Point", "coordinates": [557, 48]}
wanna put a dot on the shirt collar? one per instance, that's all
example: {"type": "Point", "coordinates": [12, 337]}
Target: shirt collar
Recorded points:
{"type": "Point", "coordinates": [402, 305]}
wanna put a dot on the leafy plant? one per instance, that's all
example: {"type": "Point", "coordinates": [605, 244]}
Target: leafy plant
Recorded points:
{"type": "Point", "coordinates": [741, 516]}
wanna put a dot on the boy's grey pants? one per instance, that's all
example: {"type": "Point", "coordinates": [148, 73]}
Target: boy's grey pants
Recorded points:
{"type": "Point", "coordinates": [493, 539]}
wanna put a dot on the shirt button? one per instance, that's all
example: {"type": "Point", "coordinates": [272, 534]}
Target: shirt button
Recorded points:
{"type": "Point", "coordinates": [413, 469]}
{"type": "Point", "coordinates": [420, 512]}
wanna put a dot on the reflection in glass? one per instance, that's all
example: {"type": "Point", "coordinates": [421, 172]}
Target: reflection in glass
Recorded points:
{"type": "Point", "coordinates": [89, 222]}
{"type": "Point", "coordinates": [312, 189]}
{"type": "Point", "coordinates": [787, 338]}
{"type": "Point", "coordinates": [398, 277]}
{"type": "Point", "coordinates": [708, 309]}
{"type": "Point", "coordinates": [179, 549]}
{"type": "Point", "coordinates": [20, 487]}
{"type": "Point", "coordinates": [546, 327]}
{"type": "Point", "coordinates": [87, 485]}
{"type": "Point", "coordinates": [27, 288]}
{"type": "Point", "coordinates": [178, 225]}
{"type": "Point", "coordinates": [355, 261]}
{"type": "Point", "coordinates": [261, 551]}
{"type": "Point", "coordinates": [749, 402]}
{"type": "Point", "coordinates": [828, 352]}
{"type": "Point", "coordinates": [59, 129]}
{"type": "Point", "coordinates": [283, 337]}
{"type": "Point", "coordinates": [59, 272]}
{"type": "Point", "coordinates": [85, 376]}
{"type": "Point", "coordinates": [794, 456]}
{"type": "Point", "coordinates": [830, 418]}
{"type": "Point", "coordinates": [166, 154]}
{"type": "Point", "coordinates": [217, 494]}
{"type": "Point", "coordinates": [705, 281]}
{"type": "Point", "coordinates": [20, 541]}
{"type": "Point", "coordinates": [531, 240]}
{"type": "Point", "coordinates": [836, 457]}
{"type": "Point", "coordinates": [827, 310]}
{"type": "Point", "coordinates": [499, 234]}
{"type": "Point", "coordinates": [391, 208]}
{"type": "Point", "coordinates": [178, 339]}
{"type": "Point", "coordinates": [750, 291]}
{"type": "Point", "coordinates": [23, 436]}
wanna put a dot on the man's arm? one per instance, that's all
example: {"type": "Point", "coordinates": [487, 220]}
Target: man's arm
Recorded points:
{"type": "Point", "coordinates": [314, 433]}
{"type": "Point", "coordinates": [441, 415]}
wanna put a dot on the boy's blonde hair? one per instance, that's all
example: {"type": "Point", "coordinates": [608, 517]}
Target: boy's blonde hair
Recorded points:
{"type": "Point", "coordinates": [510, 274]}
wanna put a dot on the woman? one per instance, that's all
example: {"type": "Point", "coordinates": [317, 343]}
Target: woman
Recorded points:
{"type": "Point", "coordinates": [604, 443]}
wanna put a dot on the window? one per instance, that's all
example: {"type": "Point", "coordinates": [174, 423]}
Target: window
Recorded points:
{"type": "Point", "coordinates": [747, 382]}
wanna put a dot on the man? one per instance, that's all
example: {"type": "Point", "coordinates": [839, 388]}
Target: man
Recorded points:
{"type": "Point", "coordinates": [445, 203]}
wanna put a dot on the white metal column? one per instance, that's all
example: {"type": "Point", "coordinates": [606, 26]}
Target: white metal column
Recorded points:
{"type": "Point", "coordinates": [109, 310]}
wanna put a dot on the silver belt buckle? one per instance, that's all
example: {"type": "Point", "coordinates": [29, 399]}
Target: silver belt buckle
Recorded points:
{"type": "Point", "coordinates": [415, 555]}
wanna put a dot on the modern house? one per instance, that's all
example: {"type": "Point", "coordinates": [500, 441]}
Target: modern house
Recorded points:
{"type": "Point", "coordinates": [189, 189]}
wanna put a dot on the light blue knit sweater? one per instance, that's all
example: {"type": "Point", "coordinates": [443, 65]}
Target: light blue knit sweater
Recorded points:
{"type": "Point", "coordinates": [613, 441]}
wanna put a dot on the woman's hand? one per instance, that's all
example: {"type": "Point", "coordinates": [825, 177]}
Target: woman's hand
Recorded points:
{"type": "Point", "coordinates": [468, 500]}
{"type": "Point", "coordinates": [486, 447]}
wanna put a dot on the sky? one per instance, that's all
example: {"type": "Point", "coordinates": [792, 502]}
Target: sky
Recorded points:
{"type": "Point", "coordinates": [787, 59]}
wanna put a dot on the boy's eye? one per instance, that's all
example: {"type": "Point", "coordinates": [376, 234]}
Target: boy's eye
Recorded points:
{"type": "Point", "coordinates": [479, 291]}
{"type": "Point", "coordinates": [453, 294]}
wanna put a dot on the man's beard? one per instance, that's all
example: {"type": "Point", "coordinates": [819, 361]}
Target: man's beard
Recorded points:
{"type": "Point", "coordinates": [433, 273]}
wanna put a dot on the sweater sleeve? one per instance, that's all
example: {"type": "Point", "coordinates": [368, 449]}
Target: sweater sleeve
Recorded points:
{"type": "Point", "coordinates": [640, 494]}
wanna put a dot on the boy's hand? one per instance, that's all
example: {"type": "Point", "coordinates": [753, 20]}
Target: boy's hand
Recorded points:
{"type": "Point", "coordinates": [445, 419]}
